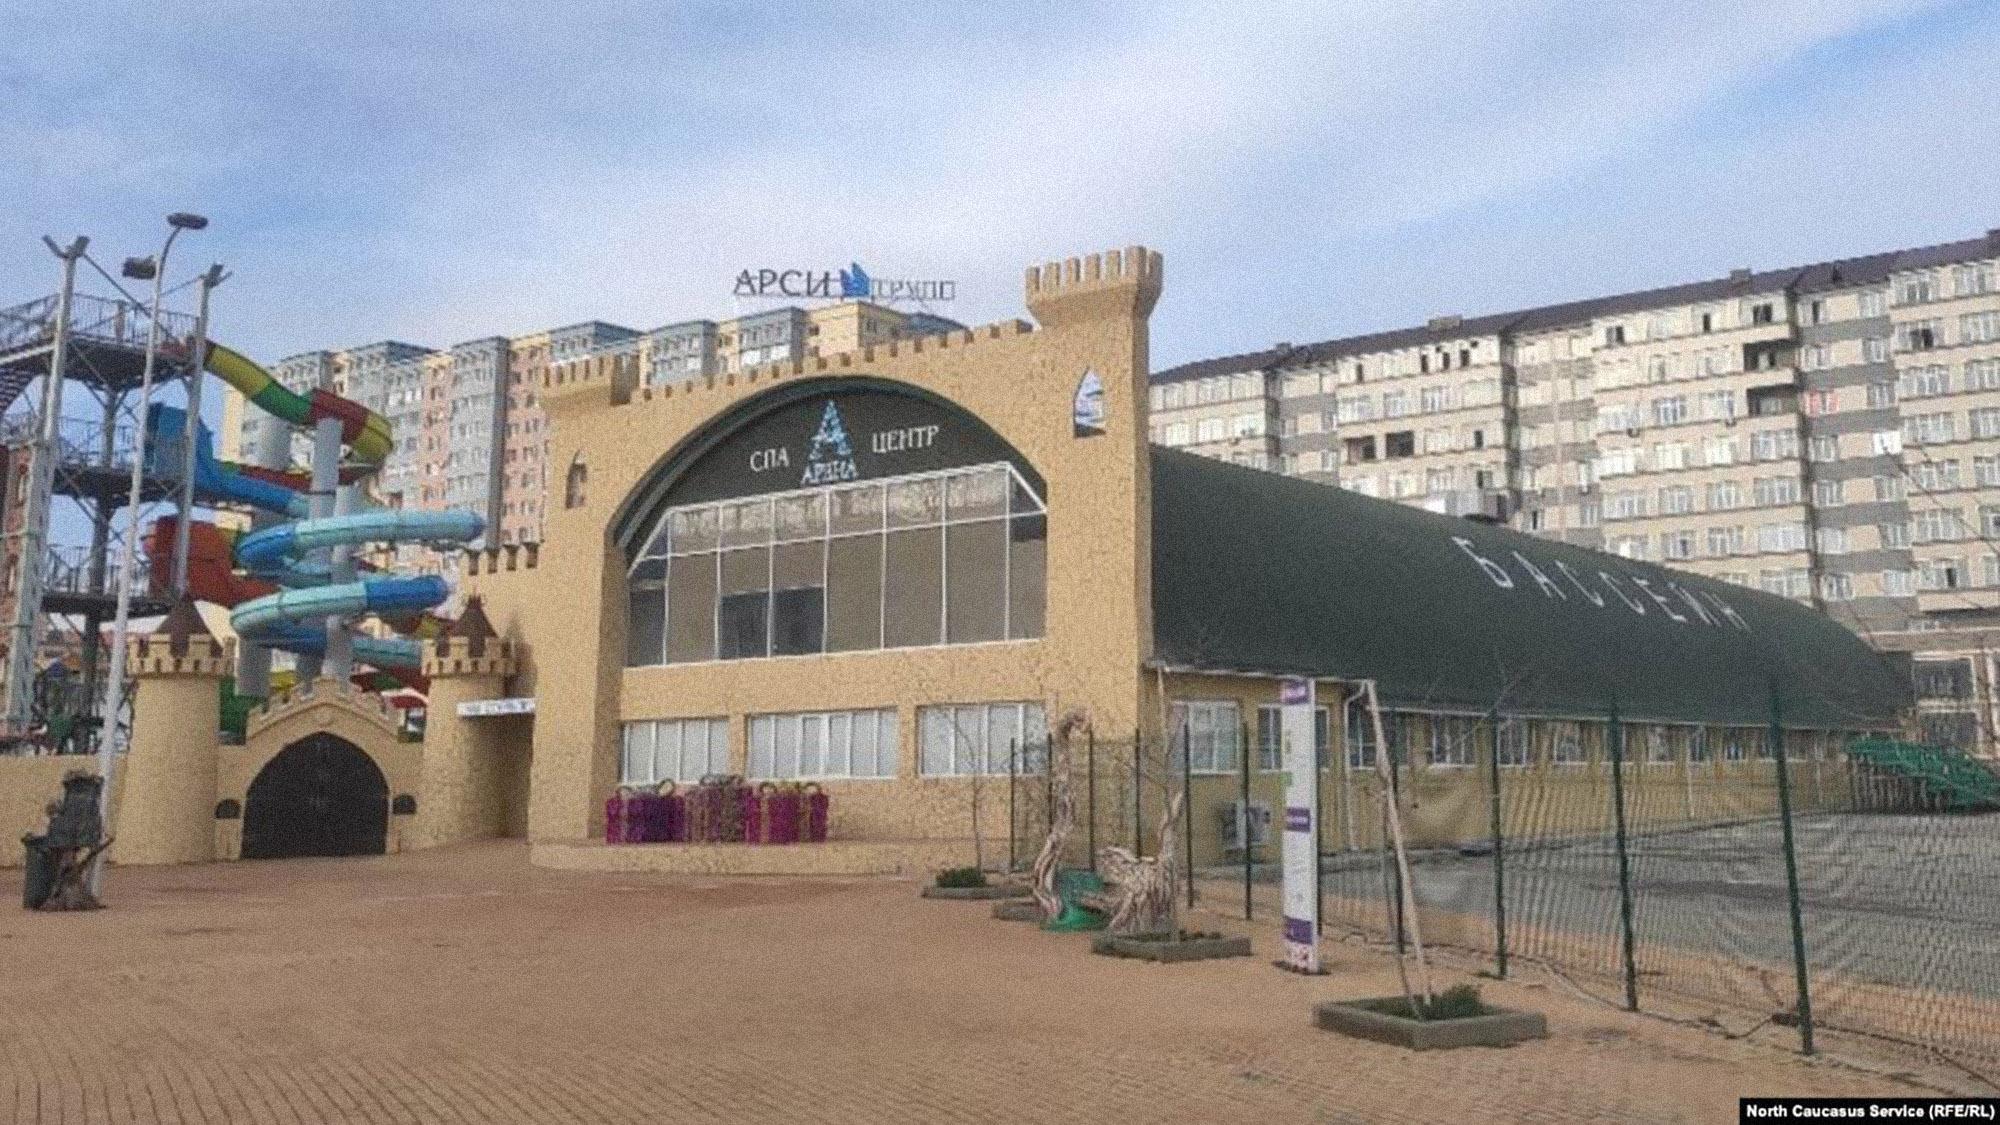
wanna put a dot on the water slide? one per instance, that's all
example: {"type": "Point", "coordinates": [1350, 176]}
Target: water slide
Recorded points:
{"type": "Point", "coordinates": [291, 556]}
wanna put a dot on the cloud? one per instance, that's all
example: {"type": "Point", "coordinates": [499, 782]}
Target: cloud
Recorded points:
{"type": "Point", "coordinates": [443, 174]}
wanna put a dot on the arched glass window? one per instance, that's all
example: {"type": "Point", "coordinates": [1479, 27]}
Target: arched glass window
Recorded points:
{"type": "Point", "coordinates": [834, 515]}
{"type": "Point", "coordinates": [576, 483]}
{"type": "Point", "coordinates": [956, 556]}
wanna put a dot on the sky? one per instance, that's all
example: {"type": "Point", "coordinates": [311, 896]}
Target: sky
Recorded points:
{"type": "Point", "coordinates": [435, 173]}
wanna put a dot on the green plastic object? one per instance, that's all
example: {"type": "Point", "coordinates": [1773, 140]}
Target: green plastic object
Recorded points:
{"type": "Point", "coordinates": [1072, 884]}
{"type": "Point", "coordinates": [1957, 781]}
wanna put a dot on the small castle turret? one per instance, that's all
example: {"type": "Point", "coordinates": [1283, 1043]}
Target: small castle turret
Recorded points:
{"type": "Point", "coordinates": [166, 811]}
{"type": "Point", "coordinates": [470, 766]}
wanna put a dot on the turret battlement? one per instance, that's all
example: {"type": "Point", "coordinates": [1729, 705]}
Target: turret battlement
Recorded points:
{"type": "Point", "coordinates": [596, 378]}
{"type": "Point", "coordinates": [508, 557]}
{"type": "Point", "coordinates": [1115, 283]}
{"type": "Point", "coordinates": [180, 645]}
{"type": "Point", "coordinates": [159, 655]}
{"type": "Point", "coordinates": [469, 656]}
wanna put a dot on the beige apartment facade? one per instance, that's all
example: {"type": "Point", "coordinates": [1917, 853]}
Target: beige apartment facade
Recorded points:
{"type": "Point", "coordinates": [1828, 433]}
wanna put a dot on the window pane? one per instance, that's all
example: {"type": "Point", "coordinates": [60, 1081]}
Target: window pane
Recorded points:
{"type": "Point", "coordinates": [638, 766]}
{"type": "Point", "coordinates": [969, 743]}
{"type": "Point", "coordinates": [913, 587]}
{"type": "Point", "coordinates": [857, 509]}
{"type": "Point", "coordinates": [763, 749]}
{"type": "Point", "coordinates": [838, 727]}
{"type": "Point", "coordinates": [885, 744]}
{"type": "Point", "coordinates": [913, 503]}
{"type": "Point", "coordinates": [693, 530]}
{"type": "Point", "coordinates": [977, 495]}
{"type": "Point", "coordinates": [1023, 501]}
{"type": "Point", "coordinates": [864, 738]}
{"type": "Point", "coordinates": [935, 738]}
{"type": "Point", "coordinates": [646, 625]}
{"type": "Point", "coordinates": [975, 581]}
{"type": "Point", "coordinates": [667, 750]}
{"type": "Point", "coordinates": [742, 620]}
{"type": "Point", "coordinates": [746, 524]}
{"type": "Point", "coordinates": [785, 750]}
{"type": "Point", "coordinates": [1027, 570]}
{"type": "Point", "coordinates": [854, 593]}
{"type": "Point", "coordinates": [1003, 735]}
{"type": "Point", "coordinates": [812, 745]}
{"type": "Point", "coordinates": [798, 607]}
{"type": "Point", "coordinates": [691, 609]}
{"type": "Point", "coordinates": [801, 517]}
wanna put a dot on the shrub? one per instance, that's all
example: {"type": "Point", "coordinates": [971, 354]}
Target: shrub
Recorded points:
{"type": "Point", "coordinates": [961, 877]}
{"type": "Point", "coordinates": [1458, 1002]}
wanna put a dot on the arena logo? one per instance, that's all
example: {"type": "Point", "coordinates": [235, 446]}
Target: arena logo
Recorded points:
{"type": "Point", "coordinates": [850, 284]}
{"type": "Point", "coordinates": [831, 458]}
{"type": "Point", "coordinates": [1670, 599]}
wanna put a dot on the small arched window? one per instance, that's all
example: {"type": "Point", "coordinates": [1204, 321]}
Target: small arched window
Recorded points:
{"type": "Point", "coordinates": [575, 484]}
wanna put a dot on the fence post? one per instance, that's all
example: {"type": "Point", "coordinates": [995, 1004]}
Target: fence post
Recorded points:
{"type": "Point", "coordinates": [1244, 820]}
{"type": "Point", "coordinates": [1138, 795]}
{"type": "Point", "coordinates": [1187, 811]}
{"type": "Point", "coordinates": [1090, 789]}
{"type": "Point", "coordinates": [1792, 876]}
{"type": "Point", "coordinates": [1499, 849]}
{"type": "Point", "coordinates": [1617, 746]}
{"type": "Point", "coordinates": [1395, 796]}
{"type": "Point", "coordinates": [1013, 775]}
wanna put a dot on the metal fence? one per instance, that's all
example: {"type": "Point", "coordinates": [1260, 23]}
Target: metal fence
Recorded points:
{"type": "Point", "coordinates": [1815, 889]}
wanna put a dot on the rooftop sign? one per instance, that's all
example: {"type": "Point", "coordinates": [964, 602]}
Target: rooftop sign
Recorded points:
{"type": "Point", "coordinates": [850, 284]}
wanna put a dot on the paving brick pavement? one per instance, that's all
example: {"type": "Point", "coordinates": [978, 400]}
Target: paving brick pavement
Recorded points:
{"type": "Point", "coordinates": [464, 986]}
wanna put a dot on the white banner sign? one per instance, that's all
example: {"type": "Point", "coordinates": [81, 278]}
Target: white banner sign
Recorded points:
{"type": "Point", "coordinates": [486, 708]}
{"type": "Point", "coordinates": [1298, 740]}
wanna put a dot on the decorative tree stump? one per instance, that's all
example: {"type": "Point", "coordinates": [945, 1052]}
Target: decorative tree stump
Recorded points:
{"type": "Point", "coordinates": [1062, 815]}
{"type": "Point", "coordinates": [1145, 886]}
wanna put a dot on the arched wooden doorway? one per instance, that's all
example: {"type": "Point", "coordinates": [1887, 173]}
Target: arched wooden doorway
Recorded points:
{"type": "Point", "coordinates": [321, 795]}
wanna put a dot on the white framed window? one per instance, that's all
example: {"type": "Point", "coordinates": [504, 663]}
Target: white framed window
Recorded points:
{"type": "Point", "coordinates": [1208, 732]}
{"type": "Point", "coordinates": [823, 744]}
{"type": "Point", "coordinates": [1510, 744]}
{"type": "Point", "coordinates": [1270, 732]}
{"type": "Point", "coordinates": [983, 738]}
{"type": "Point", "coordinates": [1566, 745]}
{"type": "Point", "coordinates": [657, 750]}
{"type": "Point", "coordinates": [1454, 742]}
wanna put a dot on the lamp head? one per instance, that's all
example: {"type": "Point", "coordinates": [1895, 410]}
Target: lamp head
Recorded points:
{"type": "Point", "coordinates": [186, 220]}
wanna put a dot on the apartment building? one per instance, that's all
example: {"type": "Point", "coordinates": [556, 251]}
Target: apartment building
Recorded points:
{"type": "Point", "coordinates": [1827, 432]}
{"type": "Point", "coordinates": [469, 431]}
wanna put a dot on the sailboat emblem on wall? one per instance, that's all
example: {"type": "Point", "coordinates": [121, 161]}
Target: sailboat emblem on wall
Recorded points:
{"type": "Point", "coordinates": [1087, 411]}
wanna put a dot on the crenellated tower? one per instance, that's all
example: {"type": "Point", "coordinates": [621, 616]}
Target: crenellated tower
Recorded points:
{"type": "Point", "coordinates": [166, 814]}
{"type": "Point", "coordinates": [474, 774]}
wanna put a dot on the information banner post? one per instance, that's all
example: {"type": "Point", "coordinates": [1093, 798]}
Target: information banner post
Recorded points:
{"type": "Point", "coordinates": [1301, 850]}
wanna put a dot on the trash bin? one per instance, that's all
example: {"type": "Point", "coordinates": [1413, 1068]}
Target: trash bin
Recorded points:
{"type": "Point", "coordinates": [38, 872]}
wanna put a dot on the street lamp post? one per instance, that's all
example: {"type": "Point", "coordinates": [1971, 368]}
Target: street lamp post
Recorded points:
{"type": "Point", "coordinates": [140, 269]}
{"type": "Point", "coordinates": [197, 357]}
{"type": "Point", "coordinates": [25, 633]}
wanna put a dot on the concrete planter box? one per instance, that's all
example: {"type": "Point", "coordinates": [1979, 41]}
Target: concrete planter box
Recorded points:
{"type": "Point", "coordinates": [1018, 910]}
{"type": "Point", "coordinates": [975, 894]}
{"type": "Point", "coordinates": [1499, 1027]}
{"type": "Point", "coordinates": [1168, 952]}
